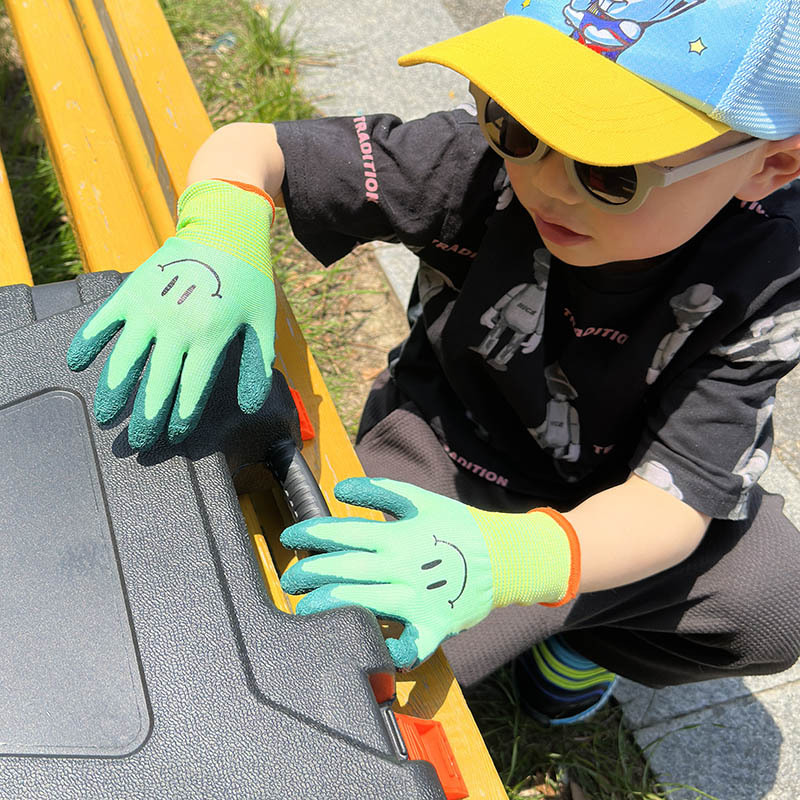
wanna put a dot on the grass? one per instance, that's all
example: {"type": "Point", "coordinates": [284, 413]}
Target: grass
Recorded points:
{"type": "Point", "coordinates": [52, 251]}
{"type": "Point", "coordinates": [597, 759]}
{"type": "Point", "coordinates": [246, 68]}
{"type": "Point", "coordinates": [244, 61]}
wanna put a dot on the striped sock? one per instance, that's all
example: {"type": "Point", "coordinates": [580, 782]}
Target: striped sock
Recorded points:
{"type": "Point", "coordinates": [557, 685]}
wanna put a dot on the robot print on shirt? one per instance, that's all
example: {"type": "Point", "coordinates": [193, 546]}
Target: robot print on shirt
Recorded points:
{"type": "Point", "coordinates": [690, 308]}
{"type": "Point", "coordinates": [656, 473]}
{"type": "Point", "coordinates": [430, 283]}
{"type": "Point", "coordinates": [505, 193]}
{"type": "Point", "coordinates": [559, 432]}
{"type": "Point", "coordinates": [610, 27]}
{"type": "Point", "coordinates": [773, 338]}
{"type": "Point", "coordinates": [521, 311]}
{"type": "Point", "coordinates": [750, 467]}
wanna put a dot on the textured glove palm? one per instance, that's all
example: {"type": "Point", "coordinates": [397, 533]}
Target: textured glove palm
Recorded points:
{"type": "Point", "coordinates": [439, 569]}
{"type": "Point", "coordinates": [180, 310]}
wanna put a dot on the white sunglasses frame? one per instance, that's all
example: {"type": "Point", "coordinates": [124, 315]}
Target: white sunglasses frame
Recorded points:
{"type": "Point", "coordinates": [648, 176]}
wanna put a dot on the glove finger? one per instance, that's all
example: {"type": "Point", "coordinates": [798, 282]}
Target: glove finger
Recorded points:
{"type": "Point", "coordinates": [386, 602]}
{"type": "Point", "coordinates": [401, 500]}
{"type": "Point", "coordinates": [331, 534]}
{"type": "Point", "coordinates": [403, 650]}
{"type": "Point", "coordinates": [121, 371]}
{"type": "Point", "coordinates": [414, 645]}
{"type": "Point", "coordinates": [383, 599]}
{"type": "Point", "coordinates": [156, 394]}
{"type": "Point", "coordinates": [95, 333]}
{"type": "Point", "coordinates": [255, 369]}
{"type": "Point", "coordinates": [327, 568]}
{"type": "Point", "coordinates": [200, 370]}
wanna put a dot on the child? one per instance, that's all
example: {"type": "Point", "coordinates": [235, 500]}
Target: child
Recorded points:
{"type": "Point", "coordinates": [594, 343]}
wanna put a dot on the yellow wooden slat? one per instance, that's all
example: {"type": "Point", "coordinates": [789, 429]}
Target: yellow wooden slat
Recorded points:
{"type": "Point", "coordinates": [431, 693]}
{"type": "Point", "coordinates": [254, 524]}
{"type": "Point", "coordinates": [330, 454]}
{"type": "Point", "coordinates": [14, 263]}
{"type": "Point", "coordinates": [103, 202]}
{"type": "Point", "coordinates": [174, 122]}
{"type": "Point", "coordinates": [110, 67]}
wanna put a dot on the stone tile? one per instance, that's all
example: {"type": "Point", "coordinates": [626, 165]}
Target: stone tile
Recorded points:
{"type": "Point", "coordinates": [400, 267]}
{"type": "Point", "coordinates": [644, 707]}
{"type": "Point", "coordinates": [742, 749]}
{"type": "Point", "coordinates": [363, 45]}
{"type": "Point", "coordinates": [779, 479]}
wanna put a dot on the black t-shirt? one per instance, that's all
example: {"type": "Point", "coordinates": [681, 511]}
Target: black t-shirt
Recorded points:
{"type": "Point", "coordinates": [548, 379]}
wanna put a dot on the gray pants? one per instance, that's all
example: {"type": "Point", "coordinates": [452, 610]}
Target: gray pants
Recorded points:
{"type": "Point", "coordinates": [731, 608]}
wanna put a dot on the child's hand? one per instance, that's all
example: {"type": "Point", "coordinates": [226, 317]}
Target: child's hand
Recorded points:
{"type": "Point", "coordinates": [439, 569]}
{"type": "Point", "coordinates": [179, 312]}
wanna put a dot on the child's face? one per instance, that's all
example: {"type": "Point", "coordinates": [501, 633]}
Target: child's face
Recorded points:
{"type": "Point", "coordinates": [579, 233]}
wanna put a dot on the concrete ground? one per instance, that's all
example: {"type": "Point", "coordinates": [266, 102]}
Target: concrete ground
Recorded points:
{"type": "Point", "coordinates": [734, 739]}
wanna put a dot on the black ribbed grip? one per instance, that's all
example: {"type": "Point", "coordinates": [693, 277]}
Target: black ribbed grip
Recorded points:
{"type": "Point", "coordinates": [299, 486]}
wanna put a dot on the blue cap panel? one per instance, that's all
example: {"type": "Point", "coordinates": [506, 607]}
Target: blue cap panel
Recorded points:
{"type": "Point", "coordinates": [716, 55]}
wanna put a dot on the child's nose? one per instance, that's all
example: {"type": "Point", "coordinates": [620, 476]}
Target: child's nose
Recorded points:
{"type": "Point", "coordinates": [550, 177]}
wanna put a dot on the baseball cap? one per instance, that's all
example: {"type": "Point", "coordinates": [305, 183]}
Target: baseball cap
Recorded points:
{"type": "Point", "coordinates": [610, 82]}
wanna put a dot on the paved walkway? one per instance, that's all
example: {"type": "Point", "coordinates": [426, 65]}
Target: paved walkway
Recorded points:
{"type": "Point", "coordinates": [735, 739]}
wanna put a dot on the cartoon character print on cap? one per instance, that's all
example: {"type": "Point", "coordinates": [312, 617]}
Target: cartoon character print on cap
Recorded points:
{"type": "Point", "coordinates": [610, 27]}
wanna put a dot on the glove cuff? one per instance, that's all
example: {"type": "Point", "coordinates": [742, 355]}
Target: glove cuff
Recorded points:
{"type": "Point", "coordinates": [574, 577]}
{"type": "Point", "coordinates": [535, 557]}
{"type": "Point", "coordinates": [231, 218]}
{"type": "Point", "coordinates": [248, 187]}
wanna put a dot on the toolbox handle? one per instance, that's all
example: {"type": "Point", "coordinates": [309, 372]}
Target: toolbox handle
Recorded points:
{"type": "Point", "coordinates": [302, 492]}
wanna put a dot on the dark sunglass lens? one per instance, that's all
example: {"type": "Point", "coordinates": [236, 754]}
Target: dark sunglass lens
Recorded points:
{"type": "Point", "coordinates": [612, 185]}
{"type": "Point", "coordinates": [507, 134]}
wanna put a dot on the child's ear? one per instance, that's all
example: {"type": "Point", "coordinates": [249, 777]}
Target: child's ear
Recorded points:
{"type": "Point", "coordinates": [781, 164]}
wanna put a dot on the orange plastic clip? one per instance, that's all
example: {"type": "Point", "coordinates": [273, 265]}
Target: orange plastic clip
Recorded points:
{"type": "Point", "coordinates": [306, 428]}
{"type": "Point", "coordinates": [426, 741]}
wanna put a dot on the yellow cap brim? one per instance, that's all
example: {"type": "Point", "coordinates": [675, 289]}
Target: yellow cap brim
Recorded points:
{"type": "Point", "coordinates": [577, 101]}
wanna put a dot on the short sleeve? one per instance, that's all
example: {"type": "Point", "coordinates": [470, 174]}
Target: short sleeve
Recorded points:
{"type": "Point", "coordinates": [709, 436]}
{"type": "Point", "coordinates": [351, 180]}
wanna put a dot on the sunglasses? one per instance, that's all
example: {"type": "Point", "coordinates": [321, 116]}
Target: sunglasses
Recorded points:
{"type": "Point", "coordinates": [619, 190]}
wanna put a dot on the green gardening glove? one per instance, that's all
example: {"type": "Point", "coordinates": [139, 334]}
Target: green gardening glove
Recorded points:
{"type": "Point", "coordinates": [440, 568]}
{"type": "Point", "coordinates": [181, 309]}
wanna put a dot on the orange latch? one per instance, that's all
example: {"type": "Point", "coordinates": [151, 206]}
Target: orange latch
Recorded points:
{"type": "Point", "coordinates": [426, 740]}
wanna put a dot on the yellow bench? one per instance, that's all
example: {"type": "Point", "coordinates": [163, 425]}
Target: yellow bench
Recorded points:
{"type": "Point", "coordinates": [122, 120]}
{"type": "Point", "coordinates": [14, 266]}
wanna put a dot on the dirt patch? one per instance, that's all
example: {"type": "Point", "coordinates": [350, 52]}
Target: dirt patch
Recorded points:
{"type": "Point", "coordinates": [349, 315]}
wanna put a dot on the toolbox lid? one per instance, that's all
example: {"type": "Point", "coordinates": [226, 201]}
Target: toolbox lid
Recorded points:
{"type": "Point", "coordinates": [71, 680]}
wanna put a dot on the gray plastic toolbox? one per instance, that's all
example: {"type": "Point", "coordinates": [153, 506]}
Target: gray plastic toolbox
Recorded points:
{"type": "Point", "coordinates": [140, 655]}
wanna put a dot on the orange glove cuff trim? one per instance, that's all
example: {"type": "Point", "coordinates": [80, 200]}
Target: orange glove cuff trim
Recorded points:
{"type": "Point", "coordinates": [575, 553]}
{"type": "Point", "coordinates": [248, 187]}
